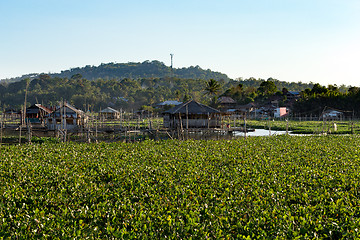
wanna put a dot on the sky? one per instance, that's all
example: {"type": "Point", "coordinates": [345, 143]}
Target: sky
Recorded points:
{"type": "Point", "coordinates": [290, 40]}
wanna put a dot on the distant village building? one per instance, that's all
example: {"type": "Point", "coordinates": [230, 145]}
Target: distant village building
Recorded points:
{"type": "Point", "coordinates": [280, 112]}
{"type": "Point", "coordinates": [12, 114]}
{"type": "Point", "coordinates": [66, 117]}
{"type": "Point", "coordinates": [109, 113]}
{"type": "Point", "coordinates": [192, 115]}
{"type": "Point", "coordinates": [332, 115]}
{"type": "Point", "coordinates": [37, 114]}
{"type": "Point", "coordinates": [292, 95]}
{"type": "Point", "coordinates": [226, 102]}
{"type": "Point", "coordinates": [247, 109]}
{"type": "Point", "coordinates": [169, 103]}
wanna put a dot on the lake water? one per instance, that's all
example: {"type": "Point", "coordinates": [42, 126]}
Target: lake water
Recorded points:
{"type": "Point", "coordinates": [261, 132]}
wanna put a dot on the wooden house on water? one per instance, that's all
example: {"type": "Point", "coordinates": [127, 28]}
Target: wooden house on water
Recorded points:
{"type": "Point", "coordinates": [66, 117]}
{"type": "Point", "coordinates": [109, 113]}
{"type": "Point", "coordinates": [37, 114]}
{"type": "Point", "coordinates": [192, 115]}
{"type": "Point", "coordinates": [11, 114]}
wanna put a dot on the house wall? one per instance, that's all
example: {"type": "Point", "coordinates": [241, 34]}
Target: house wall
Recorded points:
{"type": "Point", "coordinates": [54, 126]}
{"type": "Point", "coordinates": [55, 123]}
{"type": "Point", "coordinates": [191, 123]}
{"type": "Point", "coordinates": [280, 112]}
{"type": "Point", "coordinates": [110, 115]}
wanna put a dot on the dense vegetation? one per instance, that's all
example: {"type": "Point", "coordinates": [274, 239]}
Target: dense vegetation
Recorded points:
{"type": "Point", "coordinates": [125, 93]}
{"type": "Point", "coordinates": [316, 99]}
{"type": "Point", "coordinates": [130, 93]}
{"type": "Point", "coordinates": [141, 85]}
{"type": "Point", "coordinates": [278, 187]}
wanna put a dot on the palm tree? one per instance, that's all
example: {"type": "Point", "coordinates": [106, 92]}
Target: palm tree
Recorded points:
{"type": "Point", "coordinates": [212, 87]}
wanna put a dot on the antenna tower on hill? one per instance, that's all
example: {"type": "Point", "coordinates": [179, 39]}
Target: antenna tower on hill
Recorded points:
{"type": "Point", "coordinates": [172, 72]}
{"type": "Point", "coordinates": [171, 55]}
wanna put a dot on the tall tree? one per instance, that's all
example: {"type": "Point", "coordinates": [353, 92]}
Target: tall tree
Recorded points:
{"type": "Point", "coordinates": [267, 88]}
{"type": "Point", "coordinates": [212, 87]}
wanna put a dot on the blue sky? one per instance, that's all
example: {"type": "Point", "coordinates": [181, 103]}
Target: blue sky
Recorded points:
{"type": "Point", "coordinates": [290, 40]}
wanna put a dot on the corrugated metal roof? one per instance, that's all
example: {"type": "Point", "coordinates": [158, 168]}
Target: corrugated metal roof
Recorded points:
{"type": "Point", "coordinates": [35, 108]}
{"type": "Point", "coordinates": [170, 102]}
{"type": "Point", "coordinates": [109, 110]}
{"type": "Point", "coordinates": [68, 106]}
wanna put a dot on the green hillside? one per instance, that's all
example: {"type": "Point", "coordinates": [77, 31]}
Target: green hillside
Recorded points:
{"type": "Point", "coordinates": [132, 70]}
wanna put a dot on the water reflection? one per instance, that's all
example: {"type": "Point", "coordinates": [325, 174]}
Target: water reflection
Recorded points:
{"type": "Point", "coordinates": [261, 132]}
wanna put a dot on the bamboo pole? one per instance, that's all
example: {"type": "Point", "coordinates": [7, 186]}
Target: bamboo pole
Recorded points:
{"type": "Point", "coordinates": [287, 127]}
{"type": "Point", "coordinates": [181, 127]}
{"type": "Point", "coordinates": [24, 111]}
{"type": "Point", "coordinates": [1, 127]}
{"type": "Point", "coordinates": [20, 133]}
{"type": "Point", "coordinates": [96, 128]}
{"type": "Point", "coordinates": [29, 131]}
{"type": "Point", "coordinates": [245, 126]}
{"type": "Point", "coordinates": [269, 127]}
{"type": "Point", "coordinates": [187, 123]}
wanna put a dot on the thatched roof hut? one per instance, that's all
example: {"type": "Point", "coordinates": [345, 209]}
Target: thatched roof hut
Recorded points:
{"type": "Point", "coordinates": [192, 115]}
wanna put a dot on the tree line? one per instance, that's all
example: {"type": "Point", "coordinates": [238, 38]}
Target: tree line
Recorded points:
{"type": "Point", "coordinates": [319, 97]}
{"type": "Point", "coordinates": [130, 93]}
{"type": "Point", "coordinates": [145, 93]}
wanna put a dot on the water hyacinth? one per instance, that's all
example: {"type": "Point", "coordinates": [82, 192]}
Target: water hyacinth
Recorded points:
{"type": "Point", "coordinates": [260, 187]}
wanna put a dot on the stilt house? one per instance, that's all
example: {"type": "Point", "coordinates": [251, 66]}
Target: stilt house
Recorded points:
{"type": "Point", "coordinates": [12, 114]}
{"type": "Point", "coordinates": [109, 113]}
{"type": "Point", "coordinates": [192, 115]}
{"type": "Point", "coordinates": [226, 103]}
{"type": "Point", "coordinates": [66, 117]}
{"type": "Point", "coordinates": [37, 114]}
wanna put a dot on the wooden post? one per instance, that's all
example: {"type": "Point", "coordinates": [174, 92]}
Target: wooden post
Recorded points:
{"type": "Point", "coordinates": [20, 134]}
{"type": "Point", "coordinates": [208, 121]}
{"type": "Point", "coordinates": [187, 118]}
{"type": "Point", "coordinates": [138, 122]}
{"type": "Point", "coordinates": [26, 91]}
{"type": "Point", "coordinates": [64, 121]}
{"type": "Point", "coordinates": [245, 126]}
{"type": "Point", "coordinates": [88, 132]}
{"type": "Point", "coordinates": [29, 131]}
{"type": "Point", "coordinates": [187, 122]}
{"type": "Point", "coordinates": [181, 127]}
{"type": "Point", "coordinates": [125, 131]}
{"type": "Point", "coordinates": [287, 126]}
{"type": "Point", "coordinates": [1, 128]}
{"type": "Point", "coordinates": [96, 128]}
{"type": "Point", "coordinates": [121, 118]}
{"type": "Point", "coordinates": [269, 127]}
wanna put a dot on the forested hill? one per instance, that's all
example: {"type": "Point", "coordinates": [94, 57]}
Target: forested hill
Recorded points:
{"type": "Point", "coordinates": [147, 69]}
